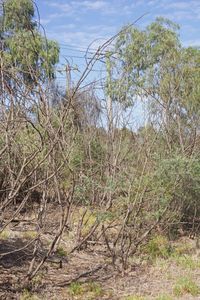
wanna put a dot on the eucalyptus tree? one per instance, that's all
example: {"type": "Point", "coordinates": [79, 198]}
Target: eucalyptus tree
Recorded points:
{"type": "Point", "coordinates": [151, 63]}
{"type": "Point", "coordinates": [27, 64]}
{"type": "Point", "coordinates": [25, 52]}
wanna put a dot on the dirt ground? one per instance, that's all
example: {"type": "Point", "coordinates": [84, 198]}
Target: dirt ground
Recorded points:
{"type": "Point", "coordinates": [87, 274]}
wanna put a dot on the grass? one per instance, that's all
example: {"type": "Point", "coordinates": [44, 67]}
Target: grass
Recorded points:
{"type": "Point", "coordinates": [95, 289]}
{"type": "Point", "coordinates": [161, 264]}
{"type": "Point", "coordinates": [30, 234]}
{"type": "Point", "coordinates": [61, 252]}
{"type": "Point", "coordinates": [185, 285]}
{"type": "Point", "coordinates": [76, 289]}
{"type": "Point", "coordinates": [26, 295]}
{"type": "Point", "coordinates": [187, 262]}
{"type": "Point", "coordinates": [163, 297]}
{"type": "Point", "coordinates": [158, 246]}
{"type": "Point", "coordinates": [184, 248]}
{"type": "Point", "coordinates": [88, 222]}
{"type": "Point", "coordinates": [4, 235]}
{"type": "Point", "coordinates": [37, 280]}
{"type": "Point", "coordinates": [91, 290]}
{"type": "Point", "coordinates": [134, 297]}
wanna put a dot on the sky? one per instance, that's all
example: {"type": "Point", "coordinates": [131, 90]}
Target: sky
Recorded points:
{"type": "Point", "coordinates": [80, 22]}
{"type": "Point", "coordinates": [77, 24]}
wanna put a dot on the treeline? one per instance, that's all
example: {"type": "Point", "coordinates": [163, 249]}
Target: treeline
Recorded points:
{"type": "Point", "coordinates": [79, 153]}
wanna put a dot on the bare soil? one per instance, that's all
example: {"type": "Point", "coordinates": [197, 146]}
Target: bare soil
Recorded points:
{"type": "Point", "coordinates": [70, 276]}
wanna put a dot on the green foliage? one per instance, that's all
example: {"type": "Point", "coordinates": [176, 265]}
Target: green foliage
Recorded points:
{"type": "Point", "coordinates": [178, 178]}
{"type": "Point", "coordinates": [153, 62]}
{"type": "Point", "coordinates": [97, 151]}
{"type": "Point", "coordinates": [18, 15]}
{"type": "Point", "coordinates": [184, 286]}
{"type": "Point", "coordinates": [26, 53]}
{"type": "Point", "coordinates": [158, 246]}
{"type": "Point", "coordinates": [77, 155]}
{"type": "Point", "coordinates": [142, 53]}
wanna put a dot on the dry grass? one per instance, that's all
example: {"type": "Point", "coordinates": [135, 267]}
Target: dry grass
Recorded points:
{"type": "Point", "coordinates": [153, 276]}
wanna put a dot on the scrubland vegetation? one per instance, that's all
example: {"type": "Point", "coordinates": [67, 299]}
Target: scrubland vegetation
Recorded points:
{"type": "Point", "coordinates": [93, 206]}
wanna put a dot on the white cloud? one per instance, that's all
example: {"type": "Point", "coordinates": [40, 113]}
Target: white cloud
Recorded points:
{"type": "Point", "coordinates": [78, 5]}
{"type": "Point", "coordinates": [93, 5]}
{"type": "Point", "coordinates": [106, 7]}
{"type": "Point", "coordinates": [188, 6]}
{"type": "Point", "coordinates": [64, 7]}
{"type": "Point", "coordinates": [65, 27]}
{"type": "Point", "coordinates": [84, 37]}
{"type": "Point", "coordinates": [177, 10]}
{"type": "Point", "coordinates": [176, 5]}
{"type": "Point", "coordinates": [51, 17]}
{"type": "Point", "coordinates": [178, 15]}
{"type": "Point", "coordinates": [76, 30]}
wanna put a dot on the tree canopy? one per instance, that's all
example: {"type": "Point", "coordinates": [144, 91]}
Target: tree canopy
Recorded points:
{"type": "Point", "coordinates": [153, 62]}
{"type": "Point", "coordinates": [26, 53]}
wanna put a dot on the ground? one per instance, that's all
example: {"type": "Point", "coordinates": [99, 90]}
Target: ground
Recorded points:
{"type": "Point", "coordinates": [161, 272]}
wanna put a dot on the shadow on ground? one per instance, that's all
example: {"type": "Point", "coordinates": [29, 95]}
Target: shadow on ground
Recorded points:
{"type": "Point", "coordinates": [14, 253]}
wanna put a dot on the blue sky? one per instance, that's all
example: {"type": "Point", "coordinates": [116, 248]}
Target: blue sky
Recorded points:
{"type": "Point", "coordinates": [75, 24]}
{"type": "Point", "coordinates": [80, 22]}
